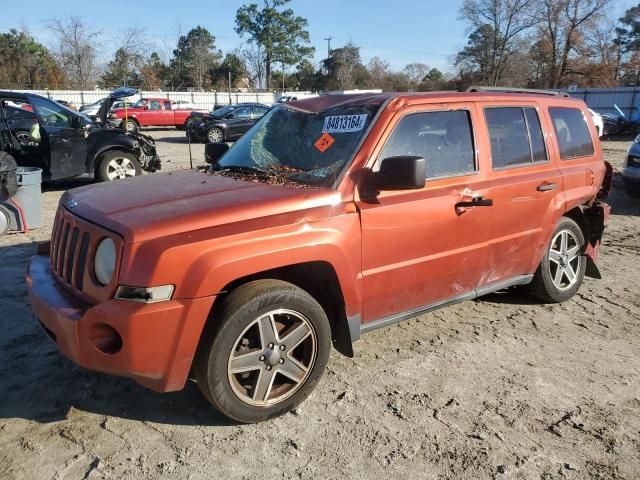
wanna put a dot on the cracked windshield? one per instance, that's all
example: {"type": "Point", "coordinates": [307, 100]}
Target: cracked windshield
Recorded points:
{"type": "Point", "coordinates": [307, 148]}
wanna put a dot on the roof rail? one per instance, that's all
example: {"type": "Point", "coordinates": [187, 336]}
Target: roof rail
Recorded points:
{"type": "Point", "coordinates": [480, 88]}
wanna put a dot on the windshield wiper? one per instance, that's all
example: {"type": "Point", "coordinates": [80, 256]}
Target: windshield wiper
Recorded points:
{"type": "Point", "coordinates": [271, 175]}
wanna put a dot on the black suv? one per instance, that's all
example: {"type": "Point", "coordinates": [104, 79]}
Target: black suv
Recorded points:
{"type": "Point", "coordinates": [38, 132]}
{"type": "Point", "coordinates": [226, 124]}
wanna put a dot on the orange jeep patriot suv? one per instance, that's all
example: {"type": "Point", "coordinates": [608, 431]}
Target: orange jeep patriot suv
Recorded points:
{"type": "Point", "coordinates": [331, 217]}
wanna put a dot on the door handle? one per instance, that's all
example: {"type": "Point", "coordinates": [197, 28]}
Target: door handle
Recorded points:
{"type": "Point", "coordinates": [547, 186]}
{"type": "Point", "coordinates": [476, 202]}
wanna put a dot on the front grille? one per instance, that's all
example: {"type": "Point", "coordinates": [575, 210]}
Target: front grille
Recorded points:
{"type": "Point", "coordinates": [69, 250]}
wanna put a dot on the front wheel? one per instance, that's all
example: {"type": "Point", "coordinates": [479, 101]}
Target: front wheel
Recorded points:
{"type": "Point", "coordinates": [117, 165]}
{"type": "Point", "coordinates": [265, 353]}
{"type": "Point", "coordinates": [215, 135]}
{"type": "Point", "coordinates": [563, 266]}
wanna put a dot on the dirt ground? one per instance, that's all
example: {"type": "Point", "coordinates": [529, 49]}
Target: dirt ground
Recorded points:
{"type": "Point", "coordinates": [502, 387]}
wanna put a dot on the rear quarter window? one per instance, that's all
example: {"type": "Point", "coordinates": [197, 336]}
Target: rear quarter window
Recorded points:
{"type": "Point", "coordinates": [572, 132]}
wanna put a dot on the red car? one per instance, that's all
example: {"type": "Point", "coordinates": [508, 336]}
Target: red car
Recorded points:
{"type": "Point", "coordinates": [151, 112]}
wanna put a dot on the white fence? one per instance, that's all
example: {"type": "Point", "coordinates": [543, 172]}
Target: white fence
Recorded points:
{"type": "Point", "coordinates": [204, 100]}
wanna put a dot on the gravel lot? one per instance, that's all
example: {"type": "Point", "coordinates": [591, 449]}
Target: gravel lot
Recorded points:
{"type": "Point", "coordinates": [501, 387]}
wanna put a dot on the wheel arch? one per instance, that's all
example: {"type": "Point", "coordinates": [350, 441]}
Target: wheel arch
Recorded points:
{"type": "Point", "coordinates": [317, 278]}
{"type": "Point", "coordinates": [591, 221]}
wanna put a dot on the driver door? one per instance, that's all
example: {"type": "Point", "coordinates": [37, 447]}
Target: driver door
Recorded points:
{"type": "Point", "coordinates": [240, 122]}
{"type": "Point", "coordinates": [419, 247]}
{"type": "Point", "coordinates": [64, 134]}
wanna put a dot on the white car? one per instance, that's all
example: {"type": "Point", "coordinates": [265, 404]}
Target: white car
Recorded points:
{"type": "Point", "coordinates": [598, 122]}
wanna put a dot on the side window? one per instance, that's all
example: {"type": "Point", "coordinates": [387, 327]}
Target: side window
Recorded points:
{"type": "Point", "coordinates": [259, 112]}
{"type": "Point", "coordinates": [242, 113]}
{"type": "Point", "coordinates": [51, 114]}
{"type": "Point", "coordinates": [538, 148]}
{"type": "Point", "coordinates": [167, 105]}
{"type": "Point", "coordinates": [443, 139]}
{"type": "Point", "coordinates": [516, 136]}
{"type": "Point", "coordinates": [572, 133]}
{"type": "Point", "coordinates": [154, 105]}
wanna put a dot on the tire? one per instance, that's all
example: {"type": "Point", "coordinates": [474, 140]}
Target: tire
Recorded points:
{"type": "Point", "coordinates": [23, 137]}
{"type": "Point", "coordinates": [563, 266]}
{"type": "Point", "coordinates": [116, 165]}
{"type": "Point", "coordinates": [130, 126]}
{"type": "Point", "coordinates": [215, 135]}
{"type": "Point", "coordinates": [251, 387]}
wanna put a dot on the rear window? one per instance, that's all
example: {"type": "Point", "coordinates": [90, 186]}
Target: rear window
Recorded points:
{"type": "Point", "coordinates": [572, 132]}
{"type": "Point", "coordinates": [516, 136]}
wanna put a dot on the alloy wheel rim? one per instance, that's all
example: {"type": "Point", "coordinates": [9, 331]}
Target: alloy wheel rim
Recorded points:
{"type": "Point", "coordinates": [120, 167]}
{"type": "Point", "coordinates": [564, 260]}
{"type": "Point", "coordinates": [23, 138]}
{"type": "Point", "coordinates": [215, 135]}
{"type": "Point", "coordinates": [131, 126]}
{"type": "Point", "coordinates": [272, 358]}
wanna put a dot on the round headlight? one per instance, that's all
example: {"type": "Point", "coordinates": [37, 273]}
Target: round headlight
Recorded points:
{"type": "Point", "coordinates": [105, 261]}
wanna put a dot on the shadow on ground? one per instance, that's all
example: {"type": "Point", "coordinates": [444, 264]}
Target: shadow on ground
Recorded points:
{"type": "Point", "coordinates": [40, 384]}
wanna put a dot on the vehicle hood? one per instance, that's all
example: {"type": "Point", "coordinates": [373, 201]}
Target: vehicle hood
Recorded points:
{"type": "Point", "coordinates": [153, 206]}
{"type": "Point", "coordinates": [105, 106]}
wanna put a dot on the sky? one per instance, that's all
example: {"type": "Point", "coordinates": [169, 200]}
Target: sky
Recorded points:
{"type": "Point", "coordinates": [398, 31]}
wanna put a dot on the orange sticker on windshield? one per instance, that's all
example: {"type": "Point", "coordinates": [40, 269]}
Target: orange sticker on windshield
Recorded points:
{"type": "Point", "coordinates": [324, 142]}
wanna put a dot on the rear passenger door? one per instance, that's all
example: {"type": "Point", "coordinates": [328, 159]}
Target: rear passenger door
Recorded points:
{"type": "Point", "coordinates": [526, 188]}
{"type": "Point", "coordinates": [240, 122]}
{"type": "Point", "coordinates": [580, 163]}
{"type": "Point", "coordinates": [418, 248]}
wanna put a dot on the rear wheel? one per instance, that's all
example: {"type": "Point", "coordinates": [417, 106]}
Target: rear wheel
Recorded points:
{"type": "Point", "coordinates": [215, 135]}
{"type": "Point", "coordinates": [117, 165]}
{"type": "Point", "coordinates": [563, 266]}
{"type": "Point", "coordinates": [266, 353]}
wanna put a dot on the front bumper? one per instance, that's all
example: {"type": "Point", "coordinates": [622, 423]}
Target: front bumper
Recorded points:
{"type": "Point", "coordinates": [631, 176]}
{"type": "Point", "coordinates": [157, 341]}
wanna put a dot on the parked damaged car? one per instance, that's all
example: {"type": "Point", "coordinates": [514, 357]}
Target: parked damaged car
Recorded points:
{"type": "Point", "coordinates": [631, 172]}
{"type": "Point", "coordinates": [63, 143]}
{"type": "Point", "coordinates": [226, 124]}
{"type": "Point", "coordinates": [330, 218]}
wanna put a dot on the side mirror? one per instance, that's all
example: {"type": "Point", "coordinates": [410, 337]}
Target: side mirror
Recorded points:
{"type": "Point", "coordinates": [214, 152]}
{"type": "Point", "coordinates": [145, 107]}
{"type": "Point", "coordinates": [229, 116]}
{"type": "Point", "coordinates": [401, 173]}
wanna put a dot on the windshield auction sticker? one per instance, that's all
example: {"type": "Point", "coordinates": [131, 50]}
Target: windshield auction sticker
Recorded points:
{"type": "Point", "coordinates": [324, 142]}
{"type": "Point", "coordinates": [344, 123]}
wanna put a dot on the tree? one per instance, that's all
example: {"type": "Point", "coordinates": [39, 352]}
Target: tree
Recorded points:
{"type": "Point", "coordinates": [474, 60]}
{"type": "Point", "coordinates": [234, 65]}
{"type": "Point", "coordinates": [280, 34]}
{"type": "Point", "coordinates": [153, 71]}
{"type": "Point", "coordinates": [120, 71]}
{"type": "Point", "coordinates": [26, 63]}
{"type": "Point", "coordinates": [498, 23]}
{"type": "Point", "coordinates": [628, 41]}
{"type": "Point", "coordinates": [433, 80]}
{"type": "Point", "coordinates": [77, 44]}
{"type": "Point", "coordinates": [416, 73]}
{"type": "Point", "coordinates": [195, 56]}
{"type": "Point", "coordinates": [253, 58]}
{"type": "Point", "coordinates": [563, 23]}
{"type": "Point", "coordinates": [344, 69]}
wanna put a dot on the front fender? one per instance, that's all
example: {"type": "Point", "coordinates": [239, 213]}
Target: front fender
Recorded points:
{"type": "Point", "coordinates": [204, 262]}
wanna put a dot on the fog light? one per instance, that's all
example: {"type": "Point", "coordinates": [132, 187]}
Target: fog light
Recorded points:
{"type": "Point", "coordinates": [105, 338]}
{"type": "Point", "coordinates": [144, 294]}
